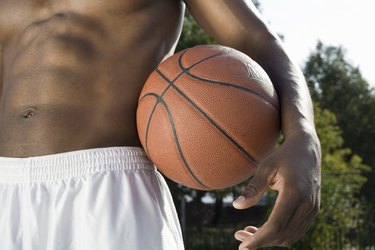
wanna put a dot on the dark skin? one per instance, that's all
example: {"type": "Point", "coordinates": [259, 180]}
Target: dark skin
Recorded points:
{"type": "Point", "coordinates": [71, 73]}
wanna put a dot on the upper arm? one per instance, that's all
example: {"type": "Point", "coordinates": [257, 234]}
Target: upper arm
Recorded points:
{"type": "Point", "coordinates": [236, 24]}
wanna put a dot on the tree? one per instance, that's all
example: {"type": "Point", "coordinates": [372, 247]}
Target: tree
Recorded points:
{"type": "Point", "coordinates": [342, 179]}
{"type": "Point", "coordinates": [342, 210]}
{"type": "Point", "coordinates": [340, 87]}
{"type": "Point", "coordinates": [192, 34]}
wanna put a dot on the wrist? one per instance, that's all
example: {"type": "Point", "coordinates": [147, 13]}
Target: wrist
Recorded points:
{"type": "Point", "coordinates": [301, 126]}
{"type": "Point", "coordinates": [307, 136]}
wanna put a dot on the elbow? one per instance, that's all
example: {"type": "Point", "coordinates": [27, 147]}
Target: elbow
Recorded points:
{"type": "Point", "coordinates": [253, 43]}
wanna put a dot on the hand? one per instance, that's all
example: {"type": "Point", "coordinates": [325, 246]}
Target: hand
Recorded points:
{"type": "Point", "coordinates": [294, 171]}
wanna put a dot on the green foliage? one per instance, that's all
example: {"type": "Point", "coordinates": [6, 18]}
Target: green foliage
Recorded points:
{"type": "Point", "coordinates": [211, 239]}
{"type": "Point", "coordinates": [341, 209]}
{"type": "Point", "coordinates": [339, 86]}
{"type": "Point", "coordinates": [256, 3]}
{"type": "Point", "coordinates": [192, 34]}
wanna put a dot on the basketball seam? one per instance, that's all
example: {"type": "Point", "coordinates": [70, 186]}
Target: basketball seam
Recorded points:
{"type": "Point", "coordinates": [226, 84]}
{"type": "Point", "coordinates": [159, 99]}
{"type": "Point", "coordinates": [210, 120]}
{"type": "Point", "coordinates": [194, 64]}
{"type": "Point", "coordinates": [179, 146]}
{"type": "Point", "coordinates": [151, 115]}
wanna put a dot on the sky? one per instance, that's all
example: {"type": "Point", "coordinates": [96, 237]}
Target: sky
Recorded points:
{"type": "Point", "coordinates": [346, 23]}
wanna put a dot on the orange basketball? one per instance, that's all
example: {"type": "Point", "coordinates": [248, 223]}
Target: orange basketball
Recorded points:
{"type": "Point", "coordinates": [207, 116]}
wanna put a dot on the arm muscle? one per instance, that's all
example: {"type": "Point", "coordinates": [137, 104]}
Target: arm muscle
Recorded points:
{"type": "Point", "coordinates": [239, 25]}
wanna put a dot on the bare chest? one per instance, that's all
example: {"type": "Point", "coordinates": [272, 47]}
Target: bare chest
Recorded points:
{"type": "Point", "coordinates": [15, 15]}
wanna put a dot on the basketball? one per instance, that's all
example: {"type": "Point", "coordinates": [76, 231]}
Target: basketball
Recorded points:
{"type": "Point", "coordinates": [207, 116]}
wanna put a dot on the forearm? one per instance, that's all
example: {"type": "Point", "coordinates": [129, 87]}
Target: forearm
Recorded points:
{"type": "Point", "coordinates": [295, 102]}
{"type": "Point", "coordinates": [239, 25]}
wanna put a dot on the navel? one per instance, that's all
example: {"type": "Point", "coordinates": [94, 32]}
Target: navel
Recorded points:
{"type": "Point", "coordinates": [28, 114]}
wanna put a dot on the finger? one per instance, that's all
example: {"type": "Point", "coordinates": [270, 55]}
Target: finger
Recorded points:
{"type": "Point", "coordinates": [255, 190]}
{"type": "Point", "coordinates": [297, 231]}
{"type": "Point", "coordinates": [242, 235]}
{"type": "Point", "coordinates": [251, 229]}
{"type": "Point", "coordinates": [247, 232]}
{"type": "Point", "coordinates": [271, 233]}
{"type": "Point", "coordinates": [304, 216]}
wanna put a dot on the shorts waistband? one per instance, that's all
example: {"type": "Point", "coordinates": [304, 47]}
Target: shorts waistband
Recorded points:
{"type": "Point", "coordinates": [72, 164]}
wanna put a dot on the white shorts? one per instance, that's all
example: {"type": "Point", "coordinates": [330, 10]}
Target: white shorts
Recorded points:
{"type": "Point", "coordinates": [104, 199]}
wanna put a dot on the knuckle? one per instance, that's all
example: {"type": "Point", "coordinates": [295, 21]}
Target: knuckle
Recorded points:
{"type": "Point", "coordinates": [251, 188]}
{"type": "Point", "coordinates": [311, 205]}
{"type": "Point", "coordinates": [275, 228]}
{"type": "Point", "coordinates": [287, 243]}
{"type": "Point", "coordinates": [278, 242]}
{"type": "Point", "coordinates": [298, 192]}
{"type": "Point", "coordinates": [316, 209]}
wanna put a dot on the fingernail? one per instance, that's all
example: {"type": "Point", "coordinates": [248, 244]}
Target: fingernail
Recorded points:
{"type": "Point", "coordinates": [241, 199]}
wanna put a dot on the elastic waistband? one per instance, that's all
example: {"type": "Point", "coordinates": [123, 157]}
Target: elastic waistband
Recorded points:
{"type": "Point", "coordinates": [72, 164]}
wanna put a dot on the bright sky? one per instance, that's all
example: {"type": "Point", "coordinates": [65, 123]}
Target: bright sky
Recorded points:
{"type": "Point", "coordinates": [349, 23]}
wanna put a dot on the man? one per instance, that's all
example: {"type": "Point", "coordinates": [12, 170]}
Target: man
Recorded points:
{"type": "Point", "coordinates": [72, 174]}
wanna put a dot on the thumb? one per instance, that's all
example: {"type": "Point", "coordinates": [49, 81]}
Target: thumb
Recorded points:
{"type": "Point", "coordinates": [254, 191]}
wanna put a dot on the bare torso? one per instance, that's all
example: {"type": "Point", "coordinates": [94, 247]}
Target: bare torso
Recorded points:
{"type": "Point", "coordinates": [71, 70]}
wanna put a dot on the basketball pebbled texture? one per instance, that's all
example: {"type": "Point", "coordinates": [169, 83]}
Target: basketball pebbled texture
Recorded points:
{"type": "Point", "coordinates": [207, 116]}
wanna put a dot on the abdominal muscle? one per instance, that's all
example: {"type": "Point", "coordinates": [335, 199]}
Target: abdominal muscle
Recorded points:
{"type": "Point", "coordinates": [66, 87]}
